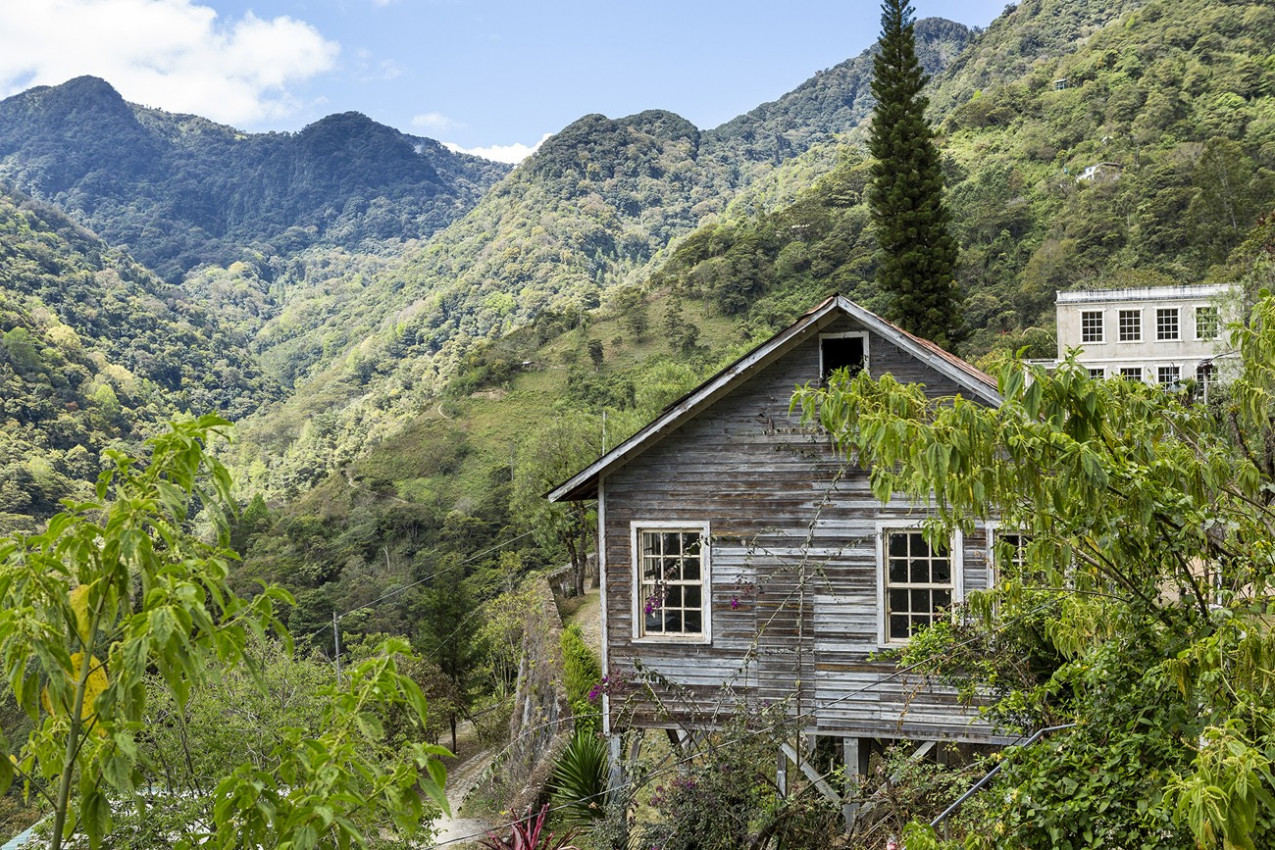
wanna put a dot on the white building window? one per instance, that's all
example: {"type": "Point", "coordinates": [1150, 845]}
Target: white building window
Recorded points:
{"type": "Point", "coordinates": [919, 583]}
{"type": "Point", "coordinates": [1207, 325]}
{"type": "Point", "coordinates": [671, 581]}
{"type": "Point", "coordinates": [1091, 326]}
{"type": "Point", "coordinates": [1097, 374]}
{"type": "Point", "coordinates": [1130, 323]}
{"type": "Point", "coordinates": [1131, 373]}
{"type": "Point", "coordinates": [1166, 323]}
{"type": "Point", "coordinates": [1167, 376]}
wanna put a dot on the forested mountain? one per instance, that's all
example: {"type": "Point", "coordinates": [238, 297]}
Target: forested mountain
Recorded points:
{"type": "Point", "coordinates": [180, 191]}
{"type": "Point", "coordinates": [96, 351]}
{"type": "Point", "coordinates": [630, 256]}
{"type": "Point", "coordinates": [1179, 100]}
{"type": "Point", "coordinates": [830, 103]}
{"type": "Point", "coordinates": [590, 211]}
{"type": "Point", "coordinates": [586, 222]}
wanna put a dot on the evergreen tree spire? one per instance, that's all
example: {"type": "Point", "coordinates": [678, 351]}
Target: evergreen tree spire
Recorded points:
{"type": "Point", "coordinates": [909, 217]}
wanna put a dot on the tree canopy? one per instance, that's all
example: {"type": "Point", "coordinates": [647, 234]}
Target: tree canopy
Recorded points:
{"type": "Point", "coordinates": [905, 195]}
{"type": "Point", "coordinates": [1137, 605]}
{"type": "Point", "coordinates": [118, 599]}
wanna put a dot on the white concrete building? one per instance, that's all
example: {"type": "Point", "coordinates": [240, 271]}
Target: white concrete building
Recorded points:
{"type": "Point", "coordinates": [1159, 335]}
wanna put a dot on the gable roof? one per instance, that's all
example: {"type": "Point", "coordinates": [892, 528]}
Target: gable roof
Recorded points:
{"type": "Point", "coordinates": [584, 484]}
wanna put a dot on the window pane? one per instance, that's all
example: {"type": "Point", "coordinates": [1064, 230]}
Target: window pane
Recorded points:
{"type": "Point", "coordinates": [920, 571]}
{"type": "Point", "coordinates": [1206, 322]}
{"type": "Point", "coordinates": [1091, 326]}
{"type": "Point", "coordinates": [1130, 326]}
{"type": "Point", "coordinates": [898, 570]}
{"type": "Point", "coordinates": [650, 570]}
{"type": "Point", "coordinates": [672, 569]}
{"type": "Point", "coordinates": [898, 626]}
{"type": "Point", "coordinates": [690, 568]}
{"type": "Point", "coordinates": [941, 572]}
{"type": "Point", "coordinates": [917, 584]}
{"type": "Point", "coordinates": [672, 595]}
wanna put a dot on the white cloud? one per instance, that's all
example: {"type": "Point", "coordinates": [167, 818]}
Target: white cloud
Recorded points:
{"type": "Point", "coordinates": [514, 153]}
{"type": "Point", "coordinates": [435, 122]}
{"type": "Point", "coordinates": [174, 54]}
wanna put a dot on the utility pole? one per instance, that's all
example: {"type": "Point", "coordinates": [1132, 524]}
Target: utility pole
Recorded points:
{"type": "Point", "coordinates": [336, 637]}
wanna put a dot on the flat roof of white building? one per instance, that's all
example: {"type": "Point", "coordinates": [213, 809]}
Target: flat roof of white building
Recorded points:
{"type": "Point", "coordinates": [1147, 293]}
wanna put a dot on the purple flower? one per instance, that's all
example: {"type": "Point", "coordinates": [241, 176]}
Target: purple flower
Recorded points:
{"type": "Point", "coordinates": [734, 602]}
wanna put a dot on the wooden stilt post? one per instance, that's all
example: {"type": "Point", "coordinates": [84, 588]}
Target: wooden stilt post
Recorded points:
{"type": "Point", "coordinates": [849, 809]}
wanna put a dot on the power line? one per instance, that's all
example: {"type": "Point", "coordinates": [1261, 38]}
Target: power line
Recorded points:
{"type": "Point", "coordinates": [427, 578]}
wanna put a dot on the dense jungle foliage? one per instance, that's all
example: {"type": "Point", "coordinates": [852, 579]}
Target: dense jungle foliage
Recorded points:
{"type": "Point", "coordinates": [581, 281]}
{"type": "Point", "coordinates": [95, 351]}
{"type": "Point", "coordinates": [403, 388]}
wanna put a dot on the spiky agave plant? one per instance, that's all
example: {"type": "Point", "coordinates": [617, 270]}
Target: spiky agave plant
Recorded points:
{"type": "Point", "coordinates": [580, 778]}
{"type": "Point", "coordinates": [529, 834]}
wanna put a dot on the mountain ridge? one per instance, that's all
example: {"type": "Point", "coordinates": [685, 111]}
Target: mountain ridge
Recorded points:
{"type": "Point", "coordinates": [181, 191]}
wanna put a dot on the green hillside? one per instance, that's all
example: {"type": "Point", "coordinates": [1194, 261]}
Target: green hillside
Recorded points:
{"type": "Point", "coordinates": [594, 210]}
{"type": "Point", "coordinates": [1179, 97]}
{"type": "Point", "coordinates": [479, 367]}
{"type": "Point", "coordinates": [180, 191]}
{"type": "Point", "coordinates": [95, 351]}
{"type": "Point", "coordinates": [629, 257]}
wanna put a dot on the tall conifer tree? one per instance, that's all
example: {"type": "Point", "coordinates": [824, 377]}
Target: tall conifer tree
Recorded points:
{"type": "Point", "coordinates": [910, 219]}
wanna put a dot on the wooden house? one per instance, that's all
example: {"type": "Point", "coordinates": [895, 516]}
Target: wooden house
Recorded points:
{"type": "Point", "coordinates": [741, 560]}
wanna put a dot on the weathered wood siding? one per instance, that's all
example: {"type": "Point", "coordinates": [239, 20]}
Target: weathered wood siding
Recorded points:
{"type": "Point", "coordinates": [795, 604]}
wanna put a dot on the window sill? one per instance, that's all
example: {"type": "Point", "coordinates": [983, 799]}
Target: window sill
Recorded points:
{"type": "Point", "coordinates": [671, 640]}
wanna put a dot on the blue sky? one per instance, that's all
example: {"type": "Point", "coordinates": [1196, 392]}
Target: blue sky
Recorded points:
{"type": "Point", "coordinates": [486, 75]}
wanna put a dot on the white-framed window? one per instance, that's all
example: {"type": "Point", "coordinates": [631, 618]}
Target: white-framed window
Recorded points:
{"type": "Point", "coordinates": [1167, 376]}
{"type": "Point", "coordinates": [672, 567]}
{"type": "Point", "coordinates": [1130, 324]}
{"type": "Point", "coordinates": [1207, 323]}
{"type": "Point", "coordinates": [1005, 547]}
{"type": "Point", "coordinates": [847, 350]}
{"type": "Point", "coordinates": [918, 583]}
{"type": "Point", "coordinates": [1097, 374]}
{"type": "Point", "coordinates": [1166, 323]}
{"type": "Point", "coordinates": [1091, 326]}
{"type": "Point", "coordinates": [1131, 373]}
